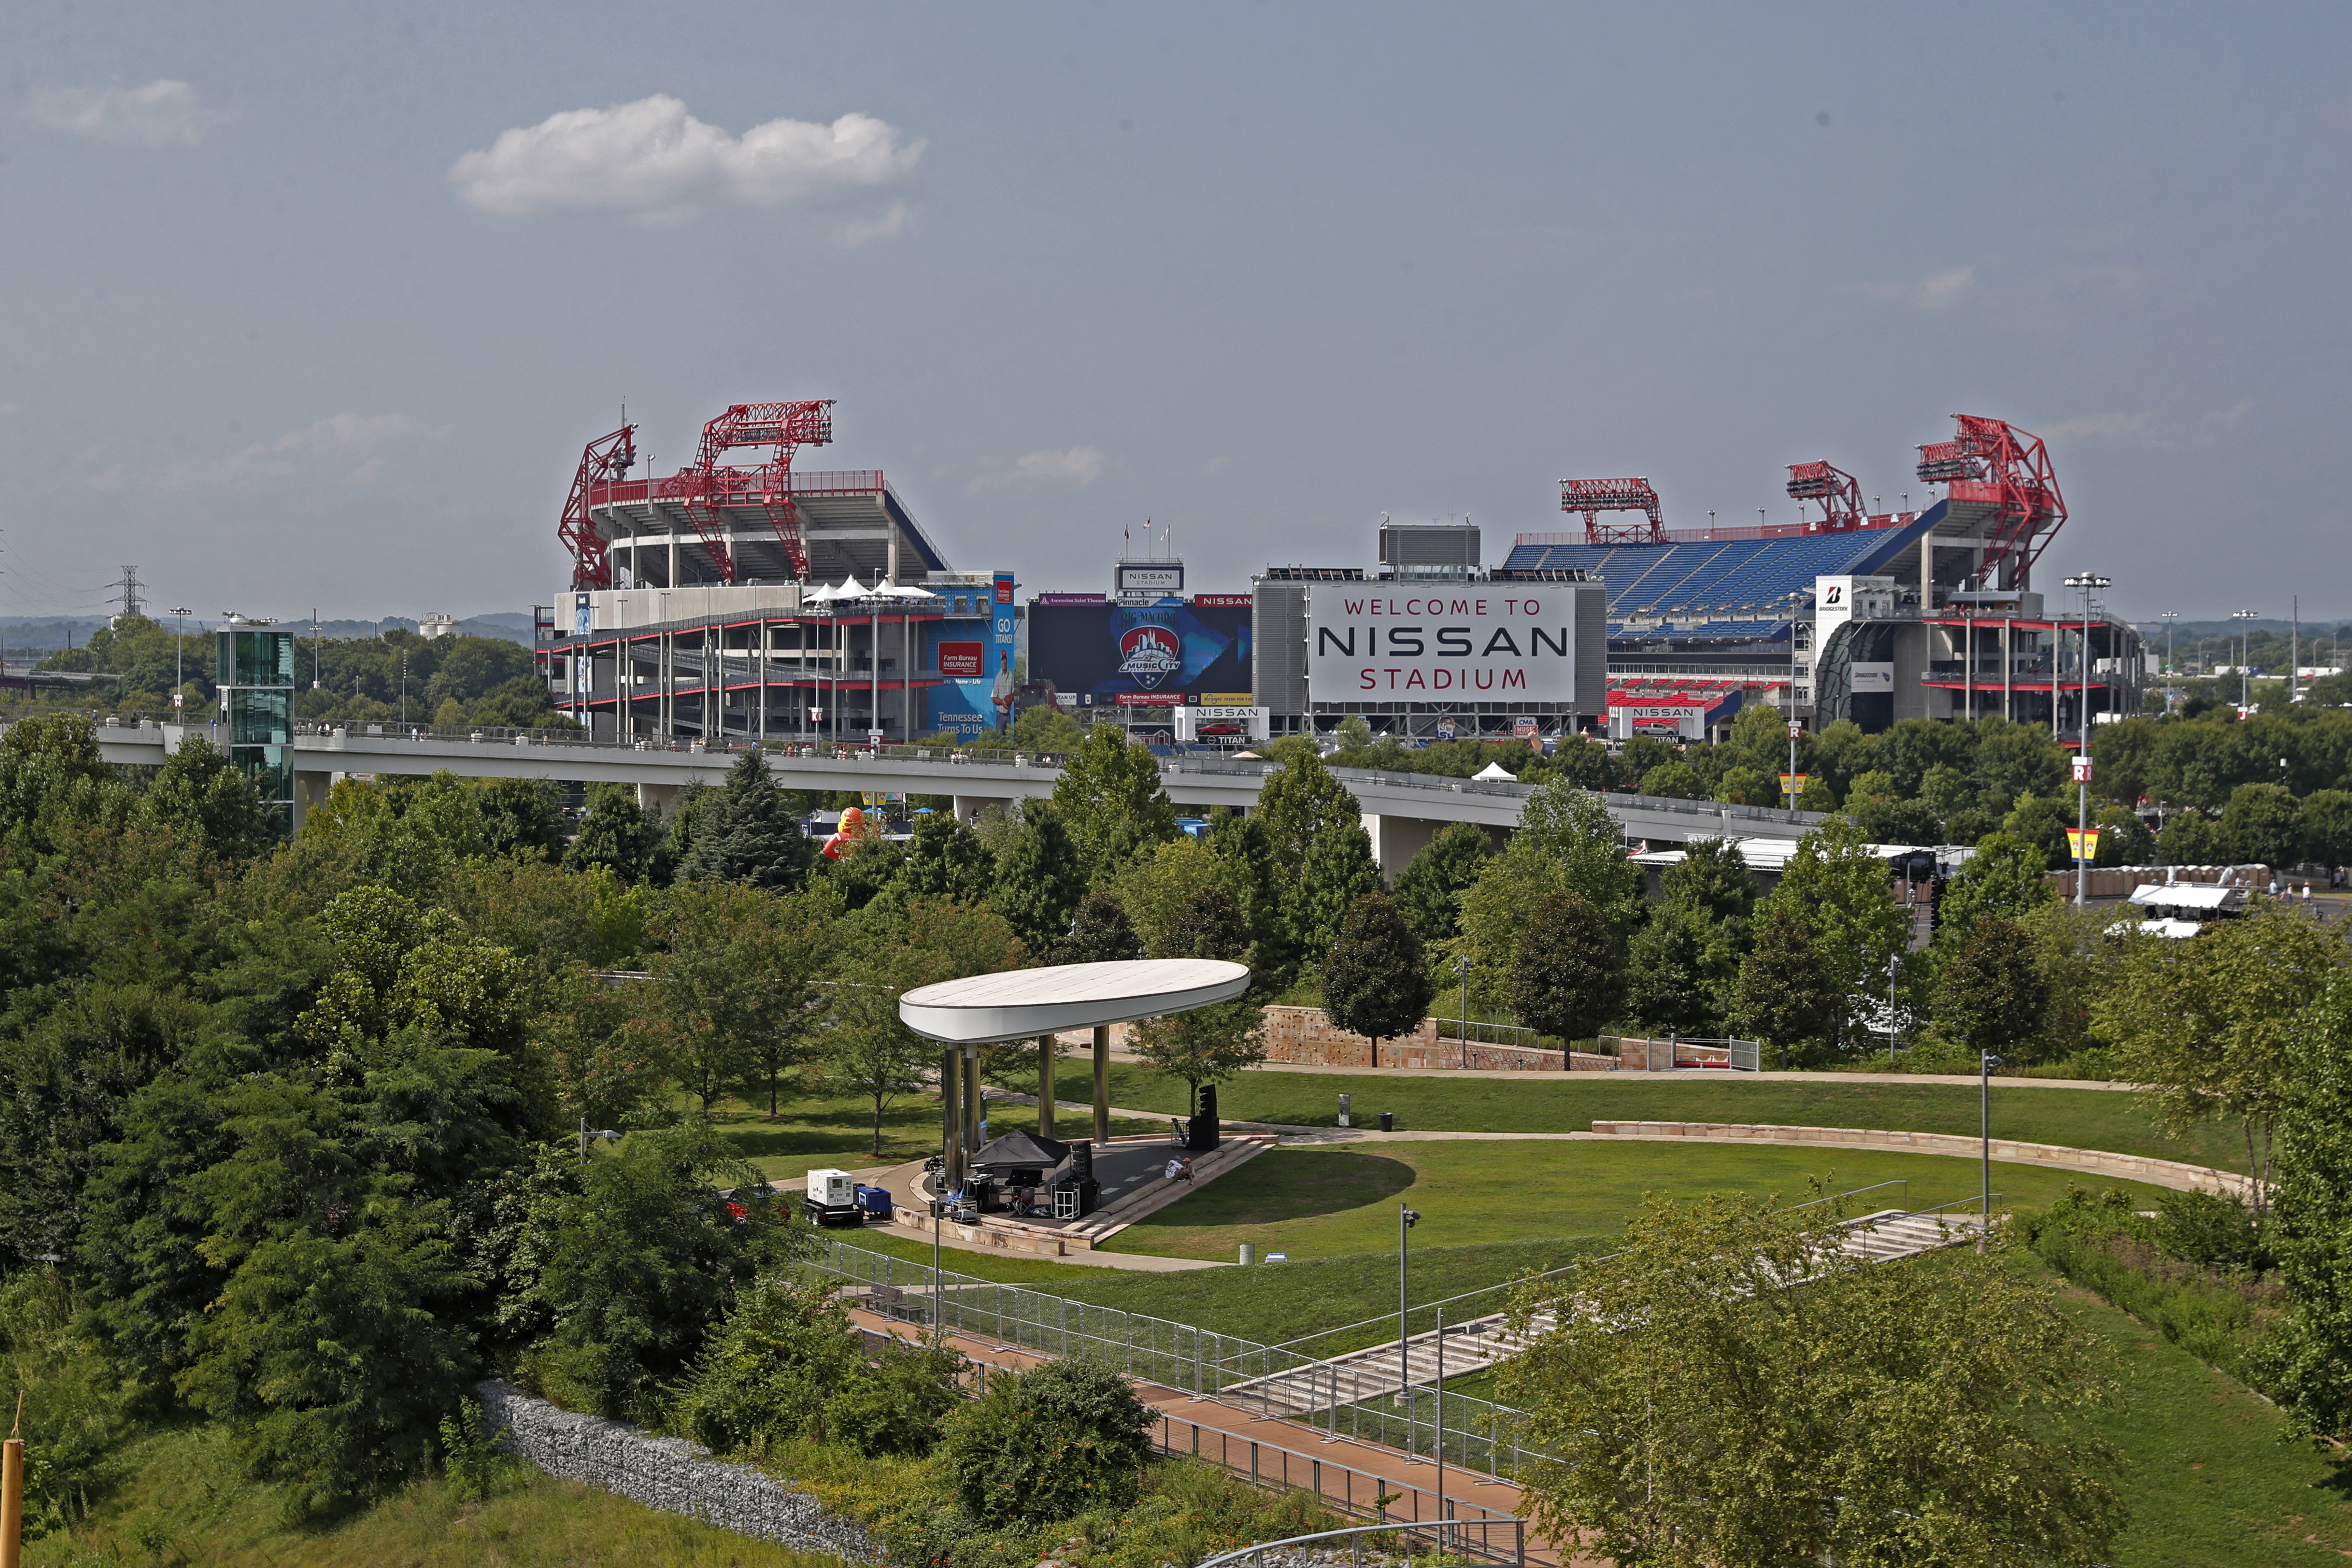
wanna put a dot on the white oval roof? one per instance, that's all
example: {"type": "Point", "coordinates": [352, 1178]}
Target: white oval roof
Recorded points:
{"type": "Point", "coordinates": [1020, 1003]}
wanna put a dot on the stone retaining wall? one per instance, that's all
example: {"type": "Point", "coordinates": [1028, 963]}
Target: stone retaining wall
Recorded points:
{"type": "Point", "coordinates": [2173, 1174]}
{"type": "Point", "coordinates": [1306, 1036]}
{"type": "Point", "coordinates": [666, 1473]}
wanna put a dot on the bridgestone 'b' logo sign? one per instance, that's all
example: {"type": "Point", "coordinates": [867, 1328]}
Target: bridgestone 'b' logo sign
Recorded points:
{"type": "Point", "coordinates": [1485, 643]}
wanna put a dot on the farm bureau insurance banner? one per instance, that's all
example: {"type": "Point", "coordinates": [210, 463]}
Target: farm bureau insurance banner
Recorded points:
{"type": "Point", "coordinates": [1476, 643]}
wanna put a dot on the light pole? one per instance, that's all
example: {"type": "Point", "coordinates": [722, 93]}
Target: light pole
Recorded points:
{"type": "Point", "coordinates": [2090, 583]}
{"type": "Point", "coordinates": [1796, 728]}
{"type": "Point", "coordinates": [1462, 963]}
{"type": "Point", "coordinates": [179, 658]}
{"type": "Point", "coordinates": [1893, 965]}
{"type": "Point", "coordinates": [1984, 1124]}
{"type": "Point", "coordinates": [2245, 691]}
{"type": "Point", "coordinates": [1406, 1219]}
{"type": "Point", "coordinates": [2171, 676]}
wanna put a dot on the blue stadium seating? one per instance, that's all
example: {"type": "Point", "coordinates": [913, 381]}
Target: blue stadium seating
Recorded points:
{"type": "Point", "coordinates": [1699, 581]}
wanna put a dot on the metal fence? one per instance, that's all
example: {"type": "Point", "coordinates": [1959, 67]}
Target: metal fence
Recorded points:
{"type": "Point", "coordinates": [1271, 1381]}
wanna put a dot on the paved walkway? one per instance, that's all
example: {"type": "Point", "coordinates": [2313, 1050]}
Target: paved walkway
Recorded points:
{"type": "Point", "coordinates": [1236, 1436]}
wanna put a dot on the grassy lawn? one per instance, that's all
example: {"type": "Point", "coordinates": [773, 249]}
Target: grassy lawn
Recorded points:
{"type": "Point", "coordinates": [178, 1498]}
{"type": "Point", "coordinates": [1326, 1203]}
{"type": "Point", "coordinates": [2076, 1118]}
{"type": "Point", "coordinates": [2208, 1480]}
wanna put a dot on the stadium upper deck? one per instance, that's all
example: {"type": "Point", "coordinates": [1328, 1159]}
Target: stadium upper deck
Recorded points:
{"type": "Point", "coordinates": [1735, 585]}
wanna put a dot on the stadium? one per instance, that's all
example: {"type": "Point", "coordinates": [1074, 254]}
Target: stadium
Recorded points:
{"type": "Point", "coordinates": [754, 600]}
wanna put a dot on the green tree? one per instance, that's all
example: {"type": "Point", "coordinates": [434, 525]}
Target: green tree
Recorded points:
{"type": "Point", "coordinates": [1338, 871]}
{"type": "Point", "coordinates": [2208, 1028]}
{"type": "Point", "coordinates": [945, 859]}
{"type": "Point", "coordinates": [2327, 826]}
{"type": "Point", "coordinates": [1680, 970]}
{"type": "Point", "coordinates": [197, 794]}
{"type": "Point", "coordinates": [2004, 877]}
{"type": "Point", "coordinates": [1100, 931]}
{"type": "Point", "coordinates": [1109, 798]}
{"type": "Point", "coordinates": [2307, 1354]}
{"type": "Point", "coordinates": [1747, 786]}
{"type": "Point", "coordinates": [1880, 1414]}
{"type": "Point", "coordinates": [1567, 977]}
{"type": "Point", "coordinates": [1206, 1045]}
{"type": "Point", "coordinates": [2259, 827]}
{"type": "Point", "coordinates": [626, 1262]}
{"type": "Point", "coordinates": [618, 834]}
{"type": "Point", "coordinates": [2124, 839]}
{"type": "Point", "coordinates": [1375, 983]}
{"type": "Point", "coordinates": [1713, 878]}
{"type": "Point", "coordinates": [1038, 880]}
{"type": "Point", "coordinates": [2191, 838]}
{"type": "Point", "coordinates": [868, 1052]}
{"type": "Point", "coordinates": [746, 833]}
{"type": "Point", "coordinates": [1840, 887]}
{"type": "Point", "coordinates": [1990, 993]}
{"type": "Point", "coordinates": [1301, 806]}
{"type": "Point", "coordinates": [769, 1367]}
{"type": "Point", "coordinates": [1671, 780]}
{"type": "Point", "coordinates": [1070, 1437]}
{"type": "Point", "coordinates": [1782, 997]}
{"type": "Point", "coordinates": [2042, 821]}
{"type": "Point", "coordinates": [1042, 728]}
{"type": "Point", "coordinates": [1158, 888]}
{"type": "Point", "coordinates": [1429, 889]}
{"type": "Point", "coordinates": [730, 996]}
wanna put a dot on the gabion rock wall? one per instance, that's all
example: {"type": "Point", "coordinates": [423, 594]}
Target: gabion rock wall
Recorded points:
{"type": "Point", "coordinates": [666, 1473]}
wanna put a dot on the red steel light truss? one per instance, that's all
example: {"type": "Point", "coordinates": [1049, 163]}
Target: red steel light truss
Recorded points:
{"type": "Point", "coordinates": [1839, 493]}
{"type": "Point", "coordinates": [706, 487]}
{"type": "Point", "coordinates": [604, 460]}
{"type": "Point", "coordinates": [1593, 496]}
{"type": "Point", "coordinates": [1994, 464]}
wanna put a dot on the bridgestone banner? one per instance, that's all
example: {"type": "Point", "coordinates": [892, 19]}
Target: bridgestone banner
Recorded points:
{"type": "Point", "coordinates": [1482, 642]}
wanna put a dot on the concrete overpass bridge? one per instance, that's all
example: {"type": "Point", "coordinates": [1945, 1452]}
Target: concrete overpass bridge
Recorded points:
{"type": "Point", "coordinates": [1402, 812]}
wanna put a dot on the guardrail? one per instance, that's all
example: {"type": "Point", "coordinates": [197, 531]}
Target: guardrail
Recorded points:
{"type": "Point", "coordinates": [1447, 1524]}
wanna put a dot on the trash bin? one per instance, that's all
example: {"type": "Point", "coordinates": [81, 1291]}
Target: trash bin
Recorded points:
{"type": "Point", "coordinates": [1249, 1253]}
{"type": "Point", "coordinates": [1346, 1104]}
{"type": "Point", "coordinates": [1388, 1121]}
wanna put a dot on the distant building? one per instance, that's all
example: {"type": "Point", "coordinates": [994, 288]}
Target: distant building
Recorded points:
{"type": "Point", "coordinates": [437, 625]}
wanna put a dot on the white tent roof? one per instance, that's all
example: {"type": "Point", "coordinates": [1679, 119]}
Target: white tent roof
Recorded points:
{"type": "Point", "coordinates": [2188, 896]}
{"type": "Point", "coordinates": [1493, 772]}
{"type": "Point", "coordinates": [1020, 1003]}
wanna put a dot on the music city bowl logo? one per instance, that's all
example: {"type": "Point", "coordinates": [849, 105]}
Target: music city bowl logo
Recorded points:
{"type": "Point", "coordinates": [1149, 654]}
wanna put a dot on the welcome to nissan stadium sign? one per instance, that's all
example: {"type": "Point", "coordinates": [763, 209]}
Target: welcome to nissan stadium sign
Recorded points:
{"type": "Point", "coordinates": [1479, 642]}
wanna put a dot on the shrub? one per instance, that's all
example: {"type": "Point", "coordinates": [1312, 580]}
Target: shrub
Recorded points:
{"type": "Point", "coordinates": [1050, 1444]}
{"type": "Point", "coordinates": [769, 1370]}
{"type": "Point", "coordinates": [897, 1406]}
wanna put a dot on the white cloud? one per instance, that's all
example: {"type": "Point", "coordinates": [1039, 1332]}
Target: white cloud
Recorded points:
{"type": "Point", "coordinates": [349, 449]}
{"type": "Point", "coordinates": [160, 114]}
{"type": "Point", "coordinates": [2154, 430]}
{"type": "Point", "coordinates": [656, 164]}
{"type": "Point", "coordinates": [1941, 290]}
{"type": "Point", "coordinates": [1070, 468]}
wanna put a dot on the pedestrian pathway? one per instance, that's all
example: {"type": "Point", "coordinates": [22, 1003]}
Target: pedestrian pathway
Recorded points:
{"type": "Point", "coordinates": [1379, 1371]}
{"type": "Point", "coordinates": [1340, 1468]}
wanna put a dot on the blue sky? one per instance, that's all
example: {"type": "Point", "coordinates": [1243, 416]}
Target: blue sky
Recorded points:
{"type": "Point", "coordinates": [313, 305]}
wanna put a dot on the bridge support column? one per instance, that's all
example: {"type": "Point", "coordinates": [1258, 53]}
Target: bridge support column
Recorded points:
{"type": "Point", "coordinates": [965, 805]}
{"type": "Point", "coordinates": [659, 797]}
{"type": "Point", "coordinates": [1397, 839]}
{"type": "Point", "coordinates": [310, 789]}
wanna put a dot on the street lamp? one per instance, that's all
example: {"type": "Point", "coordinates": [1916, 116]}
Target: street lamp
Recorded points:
{"type": "Point", "coordinates": [1462, 963]}
{"type": "Point", "coordinates": [2245, 691]}
{"type": "Point", "coordinates": [1984, 1131]}
{"type": "Point", "coordinates": [1406, 1219]}
{"type": "Point", "coordinates": [179, 659]}
{"type": "Point", "coordinates": [2090, 583]}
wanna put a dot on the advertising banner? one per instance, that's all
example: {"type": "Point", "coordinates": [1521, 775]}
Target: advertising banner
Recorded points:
{"type": "Point", "coordinates": [1872, 677]}
{"type": "Point", "coordinates": [1502, 642]}
{"type": "Point", "coordinates": [1167, 651]}
{"type": "Point", "coordinates": [1155, 577]}
{"type": "Point", "coordinates": [961, 660]}
{"type": "Point", "coordinates": [1001, 678]}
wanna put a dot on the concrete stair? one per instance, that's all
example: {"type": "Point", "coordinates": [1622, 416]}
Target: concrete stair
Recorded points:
{"type": "Point", "coordinates": [1478, 1344]}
